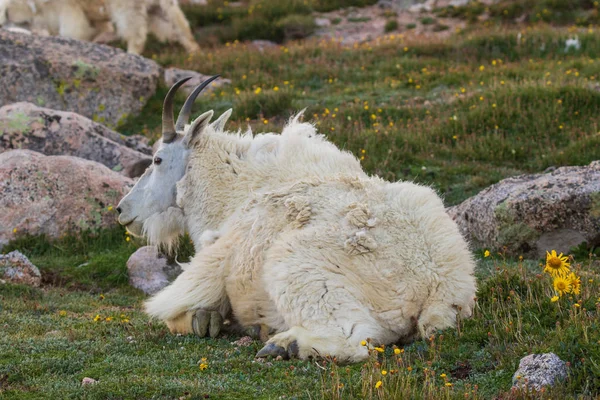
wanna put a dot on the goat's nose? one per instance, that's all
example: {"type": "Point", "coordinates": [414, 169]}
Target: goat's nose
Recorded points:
{"type": "Point", "coordinates": [119, 210]}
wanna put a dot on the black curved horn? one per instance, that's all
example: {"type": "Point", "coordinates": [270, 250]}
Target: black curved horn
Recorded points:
{"type": "Point", "coordinates": [186, 110]}
{"type": "Point", "coordinates": [168, 127]}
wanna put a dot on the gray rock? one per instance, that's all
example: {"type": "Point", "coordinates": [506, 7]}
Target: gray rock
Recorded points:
{"type": "Point", "coordinates": [88, 381]}
{"type": "Point", "coordinates": [539, 370]}
{"type": "Point", "coordinates": [531, 214]}
{"type": "Point", "coordinates": [51, 132]}
{"type": "Point", "coordinates": [16, 268]}
{"type": "Point", "coordinates": [321, 22]}
{"type": "Point", "coordinates": [261, 45]}
{"type": "Point", "coordinates": [53, 195]}
{"type": "Point", "coordinates": [149, 270]}
{"type": "Point", "coordinates": [172, 75]}
{"type": "Point", "coordinates": [100, 82]}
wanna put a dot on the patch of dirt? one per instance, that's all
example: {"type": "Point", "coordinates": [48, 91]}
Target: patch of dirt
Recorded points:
{"type": "Point", "coordinates": [462, 370]}
{"type": "Point", "coordinates": [54, 279]}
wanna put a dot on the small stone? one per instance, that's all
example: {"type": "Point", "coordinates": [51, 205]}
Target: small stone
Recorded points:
{"type": "Point", "coordinates": [149, 270]}
{"type": "Point", "coordinates": [88, 381]}
{"type": "Point", "coordinates": [243, 341]}
{"type": "Point", "coordinates": [261, 45]}
{"type": "Point", "coordinates": [16, 268]}
{"type": "Point", "coordinates": [321, 22]}
{"type": "Point", "coordinates": [539, 370]}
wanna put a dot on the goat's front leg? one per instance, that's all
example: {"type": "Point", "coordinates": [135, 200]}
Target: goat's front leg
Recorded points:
{"type": "Point", "coordinates": [196, 302]}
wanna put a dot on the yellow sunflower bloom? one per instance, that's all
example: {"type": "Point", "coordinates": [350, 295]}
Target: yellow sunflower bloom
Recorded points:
{"type": "Point", "coordinates": [557, 265]}
{"type": "Point", "coordinates": [562, 285]}
{"type": "Point", "coordinates": [575, 282]}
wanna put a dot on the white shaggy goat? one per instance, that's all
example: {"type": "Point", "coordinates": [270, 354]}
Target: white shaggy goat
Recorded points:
{"type": "Point", "coordinates": [96, 20]}
{"type": "Point", "coordinates": [302, 241]}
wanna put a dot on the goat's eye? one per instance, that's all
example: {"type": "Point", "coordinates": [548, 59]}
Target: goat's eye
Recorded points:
{"type": "Point", "coordinates": [157, 160]}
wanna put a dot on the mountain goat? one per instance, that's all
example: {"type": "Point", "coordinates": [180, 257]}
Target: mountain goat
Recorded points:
{"type": "Point", "coordinates": [298, 238]}
{"type": "Point", "coordinates": [96, 19]}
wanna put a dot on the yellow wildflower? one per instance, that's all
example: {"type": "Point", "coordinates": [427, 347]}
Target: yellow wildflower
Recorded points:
{"type": "Point", "coordinates": [481, 67]}
{"type": "Point", "coordinates": [203, 366]}
{"type": "Point", "coordinates": [556, 264]}
{"type": "Point", "coordinates": [62, 313]}
{"type": "Point", "coordinates": [257, 90]}
{"type": "Point", "coordinates": [398, 351]}
{"type": "Point", "coordinates": [110, 208]}
{"type": "Point", "coordinates": [363, 343]}
{"type": "Point", "coordinates": [108, 319]}
{"type": "Point", "coordinates": [575, 282]}
{"type": "Point", "coordinates": [562, 285]}
{"type": "Point", "coordinates": [379, 349]}
{"type": "Point", "coordinates": [383, 372]}
{"type": "Point", "coordinates": [442, 375]}
{"type": "Point", "coordinates": [448, 384]}
{"type": "Point", "coordinates": [276, 88]}
{"type": "Point", "coordinates": [486, 253]}
{"type": "Point", "coordinates": [97, 318]}
{"type": "Point", "coordinates": [554, 299]}
{"type": "Point", "coordinates": [15, 230]}
{"type": "Point", "coordinates": [378, 384]}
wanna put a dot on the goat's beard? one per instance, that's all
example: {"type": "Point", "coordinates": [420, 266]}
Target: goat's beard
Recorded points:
{"type": "Point", "coordinates": [165, 228]}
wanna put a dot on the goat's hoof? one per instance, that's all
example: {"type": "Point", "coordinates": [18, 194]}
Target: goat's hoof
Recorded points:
{"type": "Point", "coordinates": [253, 331]}
{"type": "Point", "coordinates": [293, 349]}
{"type": "Point", "coordinates": [207, 323]}
{"type": "Point", "coordinates": [274, 350]}
{"type": "Point", "coordinates": [216, 323]}
{"type": "Point", "coordinates": [258, 332]}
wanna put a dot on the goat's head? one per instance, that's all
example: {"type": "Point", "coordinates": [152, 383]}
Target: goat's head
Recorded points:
{"type": "Point", "coordinates": [150, 208]}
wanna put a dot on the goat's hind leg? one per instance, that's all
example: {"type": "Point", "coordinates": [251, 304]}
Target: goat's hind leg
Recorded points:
{"type": "Point", "coordinates": [324, 317]}
{"type": "Point", "coordinates": [299, 342]}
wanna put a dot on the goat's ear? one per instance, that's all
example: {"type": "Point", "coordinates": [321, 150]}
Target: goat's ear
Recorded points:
{"type": "Point", "coordinates": [196, 128]}
{"type": "Point", "coordinates": [219, 123]}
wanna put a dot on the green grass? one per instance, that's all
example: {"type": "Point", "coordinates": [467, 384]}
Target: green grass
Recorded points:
{"type": "Point", "coordinates": [457, 114]}
{"type": "Point", "coordinates": [556, 12]}
{"type": "Point", "coordinates": [55, 336]}
{"type": "Point", "coordinates": [391, 25]}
